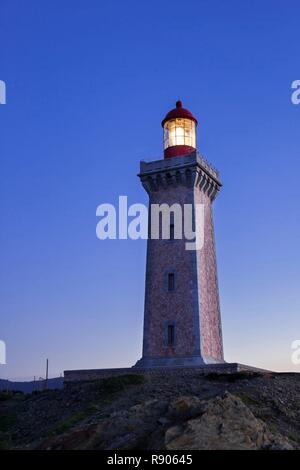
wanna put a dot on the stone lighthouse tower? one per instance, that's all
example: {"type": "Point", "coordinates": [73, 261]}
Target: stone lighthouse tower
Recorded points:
{"type": "Point", "coordinates": [182, 323]}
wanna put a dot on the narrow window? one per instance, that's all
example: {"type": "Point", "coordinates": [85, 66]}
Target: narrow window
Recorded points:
{"type": "Point", "coordinates": [171, 281]}
{"type": "Point", "coordinates": [171, 335]}
{"type": "Point", "coordinates": [171, 231]}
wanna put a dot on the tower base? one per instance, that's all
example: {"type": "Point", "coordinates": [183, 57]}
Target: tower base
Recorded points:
{"type": "Point", "coordinates": [184, 361]}
{"type": "Point", "coordinates": [96, 374]}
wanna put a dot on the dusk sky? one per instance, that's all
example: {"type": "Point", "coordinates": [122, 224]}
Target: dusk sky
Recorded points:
{"type": "Point", "coordinates": [88, 83]}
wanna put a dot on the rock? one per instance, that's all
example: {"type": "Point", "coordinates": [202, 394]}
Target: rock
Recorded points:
{"type": "Point", "coordinates": [74, 439]}
{"type": "Point", "coordinates": [225, 424]}
{"type": "Point", "coordinates": [186, 407]}
{"type": "Point", "coordinates": [125, 430]}
{"type": "Point", "coordinates": [178, 410]}
{"type": "Point", "coordinates": [149, 407]}
{"type": "Point", "coordinates": [163, 421]}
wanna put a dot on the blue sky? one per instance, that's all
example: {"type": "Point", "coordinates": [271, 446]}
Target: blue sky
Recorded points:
{"type": "Point", "coordinates": [88, 83]}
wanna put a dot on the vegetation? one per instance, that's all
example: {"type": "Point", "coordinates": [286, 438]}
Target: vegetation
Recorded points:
{"type": "Point", "coordinates": [118, 383]}
{"type": "Point", "coordinates": [9, 394]}
{"type": "Point", "coordinates": [72, 420]}
{"type": "Point", "coordinates": [232, 377]}
{"type": "Point", "coordinates": [247, 399]}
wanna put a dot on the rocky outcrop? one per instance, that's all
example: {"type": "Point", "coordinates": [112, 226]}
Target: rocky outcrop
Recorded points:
{"type": "Point", "coordinates": [186, 423]}
{"type": "Point", "coordinates": [174, 412]}
{"type": "Point", "coordinates": [122, 430]}
{"type": "Point", "coordinates": [226, 423]}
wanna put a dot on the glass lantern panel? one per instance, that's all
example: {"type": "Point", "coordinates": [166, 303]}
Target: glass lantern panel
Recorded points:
{"type": "Point", "coordinates": [180, 132]}
{"type": "Point", "coordinates": [166, 137]}
{"type": "Point", "coordinates": [172, 133]}
{"type": "Point", "coordinates": [188, 141]}
{"type": "Point", "coordinates": [193, 134]}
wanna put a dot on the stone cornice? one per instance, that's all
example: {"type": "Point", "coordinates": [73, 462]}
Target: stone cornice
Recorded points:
{"type": "Point", "coordinates": [188, 170]}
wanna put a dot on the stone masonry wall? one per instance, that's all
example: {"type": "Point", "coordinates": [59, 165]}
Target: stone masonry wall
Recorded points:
{"type": "Point", "coordinates": [210, 318]}
{"type": "Point", "coordinates": [95, 374]}
{"type": "Point", "coordinates": [193, 306]}
{"type": "Point", "coordinates": [177, 306]}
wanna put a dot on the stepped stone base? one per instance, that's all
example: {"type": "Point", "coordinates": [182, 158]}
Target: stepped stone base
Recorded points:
{"type": "Point", "coordinates": [94, 374]}
{"type": "Point", "coordinates": [175, 361]}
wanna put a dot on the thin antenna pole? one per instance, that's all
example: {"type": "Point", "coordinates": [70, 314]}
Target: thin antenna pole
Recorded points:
{"type": "Point", "coordinates": [47, 367]}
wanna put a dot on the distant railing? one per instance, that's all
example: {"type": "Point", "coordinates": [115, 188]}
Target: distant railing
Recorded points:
{"type": "Point", "coordinates": [208, 165]}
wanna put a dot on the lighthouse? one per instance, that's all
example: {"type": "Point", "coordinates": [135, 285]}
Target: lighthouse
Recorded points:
{"type": "Point", "coordinates": [182, 321]}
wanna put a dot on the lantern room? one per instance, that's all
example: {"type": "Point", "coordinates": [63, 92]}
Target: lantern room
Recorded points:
{"type": "Point", "coordinates": [179, 132]}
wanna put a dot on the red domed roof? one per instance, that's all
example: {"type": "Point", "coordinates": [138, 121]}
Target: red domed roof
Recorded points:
{"type": "Point", "coordinates": [179, 112]}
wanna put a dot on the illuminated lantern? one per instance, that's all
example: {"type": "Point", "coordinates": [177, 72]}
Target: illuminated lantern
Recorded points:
{"type": "Point", "coordinates": [179, 132]}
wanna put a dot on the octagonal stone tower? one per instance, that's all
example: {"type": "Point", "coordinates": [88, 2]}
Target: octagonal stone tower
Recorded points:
{"type": "Point", "coordinates": [182, 324]}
